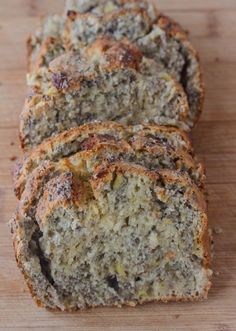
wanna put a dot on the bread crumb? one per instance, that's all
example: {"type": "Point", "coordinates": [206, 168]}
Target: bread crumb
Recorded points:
{"type": "Point", "coordinates": [12, 142]}
{"type": "Point", "coordinates": [216, 273]}
{"type": "Point", "coordinates": [217, 230]}
{"type": "Point", "coordinates": [13, 158]}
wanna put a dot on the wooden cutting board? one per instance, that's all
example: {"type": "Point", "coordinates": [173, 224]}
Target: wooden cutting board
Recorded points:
{"type": "Point", "coordinates": [212, 24]}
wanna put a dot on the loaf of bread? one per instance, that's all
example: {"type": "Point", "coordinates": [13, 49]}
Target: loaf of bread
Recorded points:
{"type": "Point", "coordinates": [111, 198]}
{"type": "Point", "coordinates": [111, 81]}
{"type": "Point", "coordinates": [157, 36]}
{"type": "Point", "coordinates": [151, 146]}
{"type": "Point", "coordinates": [120, 235]}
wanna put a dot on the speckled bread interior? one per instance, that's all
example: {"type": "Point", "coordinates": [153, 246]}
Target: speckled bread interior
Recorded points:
{"type": "Point", "coordinates": [111, 197]}
{"type": "Point", "coordinates": [119, 235]}
{"type": "Point", "coordinates": [156, 35]}
{"type": "Point", "coordinates": [111, 81]}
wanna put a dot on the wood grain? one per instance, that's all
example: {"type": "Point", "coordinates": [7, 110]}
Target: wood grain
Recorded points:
{"type": "Point", "coordinates": [212, 24]}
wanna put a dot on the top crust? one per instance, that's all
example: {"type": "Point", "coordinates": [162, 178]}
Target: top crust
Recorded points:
{"type": "Point", "coordinates": [70, 69]}
{"type": "Point", "coordinates": [87, 137]}
{"type": "Point", "coordinates": [117, 55]}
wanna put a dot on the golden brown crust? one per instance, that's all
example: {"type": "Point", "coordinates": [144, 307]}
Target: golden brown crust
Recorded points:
{"type": "Point", "coordinates": [104, 174]}
{"type": "Point", "coordinates": [61, 191]}
{"type": "Point", "coordinates": [116, 54]}
{"type": "Point", "coordinates": [205, 239]}
{"type": "Point", "coordinates": [171, 27]}
{"type": "Point", "coordinates": [29, 47]}
{"type": "Point", "coordinates": [98, 132]}
{"type": "Point", "coordinates": [68, 71]}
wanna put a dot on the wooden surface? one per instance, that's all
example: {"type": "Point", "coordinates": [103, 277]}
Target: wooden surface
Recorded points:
{"type": "Point", "coordinates": [213, 29]}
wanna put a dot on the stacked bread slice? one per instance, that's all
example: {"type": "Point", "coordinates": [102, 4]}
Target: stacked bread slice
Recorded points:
{"type": "Point", "coordinates": [112, 204]}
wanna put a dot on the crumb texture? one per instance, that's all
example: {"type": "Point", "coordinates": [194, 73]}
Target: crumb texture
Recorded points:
{"type": "Point", "coordinates": [124, 235]}
{"type": "Point", "coordinates": [111, 198]}
{"type": "Point", "coordinates": [157, 36]}
{"type": "Point", "coordinates": [151, 146]}
{"type": "Point", "coordinates": [111, 81]}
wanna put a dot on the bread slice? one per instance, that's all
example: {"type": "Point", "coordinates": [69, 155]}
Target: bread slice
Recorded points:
{"type": "Point", "coordinates": [151, 146]}
{"type": "Point", "coordinates": [112, 81]}
{"type": "Point", "coordinates": [157, 36]}
{"type": "Point", "coordinates": [124, 236]}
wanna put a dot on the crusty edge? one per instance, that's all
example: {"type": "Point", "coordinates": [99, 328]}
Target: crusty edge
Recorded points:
{"type": "Point", "coordinates": [175, 30]}
{"type": "Point", "coordinates": [68, 136]}
{"type": "Point", "coordinates": [30, 49]}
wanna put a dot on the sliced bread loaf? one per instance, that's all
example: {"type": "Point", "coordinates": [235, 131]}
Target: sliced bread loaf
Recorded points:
{"type": "Point", "coordinates": [126, 235]}
{"type": "Point", "coordinates": [151, 146]}
{"type": "Point", "coordinates": [111, 81]}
